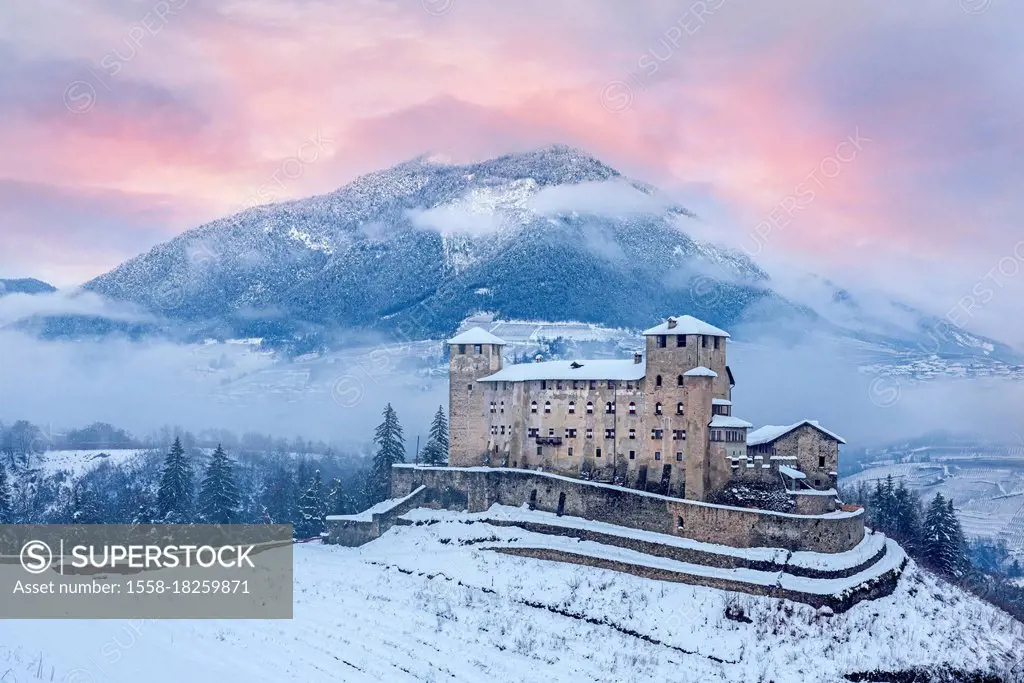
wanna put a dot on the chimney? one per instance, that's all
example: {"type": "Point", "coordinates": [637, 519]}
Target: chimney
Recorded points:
{"type": "Point", "coordinates": [671, 323]}
{"type": "Point", "coordinates": [637, 357]}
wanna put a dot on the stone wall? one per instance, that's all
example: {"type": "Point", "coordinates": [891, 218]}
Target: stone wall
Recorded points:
{"type": "Point", "coordinates": [813, 502]}
{"type": "Point", "coordinates": [356, 530]}
{"type": "Point", "coordinates": [811, 447]}
{"type": "Point", "coordinates": [480, 488]}
{"type": "Point", "coordinates": [467, 363]}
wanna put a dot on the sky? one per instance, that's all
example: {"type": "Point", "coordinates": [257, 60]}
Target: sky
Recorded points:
{"type": "Point", "coordinates": [876, 143]}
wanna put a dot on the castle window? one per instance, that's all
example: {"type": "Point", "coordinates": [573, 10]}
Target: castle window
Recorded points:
{"type": "Point", "coordinates": [703, 341]}
{"type": "Point", "coordinates": [679, 522]}
{"type": "Point", "coordinates": [558, 385]}
{"type": "Point", "coordinates": [503, 407]}
{"type": "Point", "coordinates": [679, 456]}
{"type": "Point", "coordinates": [632, 408]}
{"type": "Point", "coordinates": [544, 384]}
{"type": "Point", "coordinates": [679, 434]}
{"type": "Point", "coordinates": [469, 387]}
{"type": "Point", "coordinates": [597, 452]}
{"type": "Point", "coordinates": [590, 433]}
{"type": "Point", "coordinates": [462, 348]}
{"type": "Point", "coordinates": [570, 451]}
{"type": "Point", "coordinates": [494, 429]}
{"type": "Point", "coordinates": [593, 384]}
{"type": "Point", "coordinates": [533, 406]}
{"type": "Point", "coordinates": [716, 342]}
{"type": "Point", "coordinates": [657, 408]}
{"type": "Point", "coordinates": [540, 450]}
{"type": "Point", "coordinates": [679, 380]}
{"type": "Point", "coordinates": [547, 407]}
{"type": "Point", "coordinates": [504, 386]}
{"type": "Point", "coordinates": [821, 461]}
{"type": "Point", "coordinates": [494, 407]}
{"type": "Point", "coordinates": [716, 434]}
{"type": "Point", "coordinates": [629, 385]}
{"type": "Point", "coordinates": [817, 482]}
{"type": "Point", "coordinates": [551, 431]}
{"type": "Point", "coordinates": [657, 455]}
{"type": "Point", "coordinates": [679, 408]}
{"type": "Point", "coordinates": [609, 408]}
{"type": "Point", "coordinates": [590, 407]}
{"type": "Point", "coordinates": [609, 433]}
{"type": "Point", "coordinates": [681, 340]}
{"type": "Point", "coordinates": [632, 455]}
{"type": "Point", "coordinates": [662, 339]}
{"type": "Point", "coordinates": [570, 433]}
{"type": "Point", "coordinates": [502, 430]}
{"type": "Point", "coordinates": [657, 380]}
{"type": "Point", "coordinates": [611, 384]}
{"type": "Point", "coordinates": [657, 433]}
{"type": "Point", "coordinates": [533, 431]}
{"type": "Point", "coordinates": [632, 433]}
{"type": "Point", "coordinates": [572, 407]}
{"type": "Point", "coordinates": [477, 348]}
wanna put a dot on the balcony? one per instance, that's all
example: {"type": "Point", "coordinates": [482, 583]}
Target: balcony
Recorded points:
{"type": "Point", "coordinates": [549, 441]}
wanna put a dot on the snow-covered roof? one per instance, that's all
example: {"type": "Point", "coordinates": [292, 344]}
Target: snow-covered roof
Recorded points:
{"type": "Point", "coordinates": [570, 369]}
{"type": "Point", "coordinates": [475, 335]}
{"type": "Point", "coordinates": [770, 433]}
{"type": "Point", "coordinates": [686, 324]}
{"type": "Point", "coordinates": [791, 473]}
{"type": "Point", "coordinates": [729, 421]}
{"type": "Point", "coordinates": [700, 371]}
{"type": "Point", "coordinates": [721, 402]}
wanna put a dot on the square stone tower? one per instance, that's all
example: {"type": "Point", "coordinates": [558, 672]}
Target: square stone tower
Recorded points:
{"type": "Point", "coordinates": [473, 354]}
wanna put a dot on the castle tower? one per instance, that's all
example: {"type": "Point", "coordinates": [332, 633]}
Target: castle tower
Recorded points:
{"type": "Point", "coordinates": [698, 388]}
{"type": "Point", "coordinates": [473, 354]}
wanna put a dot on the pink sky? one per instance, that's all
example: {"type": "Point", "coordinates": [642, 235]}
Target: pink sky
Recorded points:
{"type": "Point", "coordinates": [125, 123]}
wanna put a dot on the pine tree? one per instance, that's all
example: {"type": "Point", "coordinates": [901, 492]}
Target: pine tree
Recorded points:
{"type": "Point", "coordinates": [942, 541]}
{"type": "Point", "coordinates": [906, 518]}
{"type": "Point", "coordinates": [174, 497]}
{"type": "Point", "coordinates": [312, 510]}
{"type": "Point", "coordinates": [436, 450]}
{"type": "Point", "coordinates": [390, 450]}
{"type": "Point", "coordinates": [218, 495]}
{"type": "Point", "coordinates": [6, 506]}
{"type": "Point", "coordinates": [340, 500]}
{"type": "Point", "coordinates": [84, 508]}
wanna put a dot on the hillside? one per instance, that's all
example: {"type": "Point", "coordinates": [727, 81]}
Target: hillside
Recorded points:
{"type": "Point", "coordinates": [25, 286]}
{"type": "Point", "coordinates": [412, 607]}
{"type": "Point", "coordinates": [552, 234]}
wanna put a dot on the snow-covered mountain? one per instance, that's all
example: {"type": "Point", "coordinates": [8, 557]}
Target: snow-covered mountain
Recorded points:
{"type": "Point", "coordinates": [25, 286]}
{"type": "Point", "coordinates": [552, 234]}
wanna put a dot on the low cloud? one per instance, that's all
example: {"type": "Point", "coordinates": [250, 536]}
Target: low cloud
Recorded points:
{"type": "Point", "coordinates": [17, 307]}
{"type": "Point", "coordinates": [617, 198]}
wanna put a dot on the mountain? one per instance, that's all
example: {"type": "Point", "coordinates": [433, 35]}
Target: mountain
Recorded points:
{"type": "Point", "coordinates": [25, 286]}
{"type": "Point", "coordinates": [552, 234]}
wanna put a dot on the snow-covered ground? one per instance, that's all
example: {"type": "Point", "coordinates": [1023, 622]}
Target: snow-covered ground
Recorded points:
{"type": "Point", "coordinates": [77, 463]}
{"type": "Point", "coordinates": [427, 603]}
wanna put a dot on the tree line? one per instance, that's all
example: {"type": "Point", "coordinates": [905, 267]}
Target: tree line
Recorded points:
{"type": "Point", "coordinates": [184, 485]}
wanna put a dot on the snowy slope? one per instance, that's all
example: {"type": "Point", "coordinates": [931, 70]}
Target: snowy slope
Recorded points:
{"type": "Point", "coordinates": [414, 607]}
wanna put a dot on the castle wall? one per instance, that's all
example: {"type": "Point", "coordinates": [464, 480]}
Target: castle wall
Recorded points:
{"type": "Point", "coordinates": [809, 445]}
{"type": "Point", "coordinates": [737, 527]}
{"type": "Point", "coordinates": [466, 405]}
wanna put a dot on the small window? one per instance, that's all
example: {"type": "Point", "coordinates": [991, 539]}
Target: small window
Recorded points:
{"type": "Point", "coordinates": [632, 408]}
{"type": "Point", "coordinates": [570, 433]}
{"type": "Point", "coordinates": [704, 341]}
{"type": "Point", "coordinates": [817, 482]}
{"type": "Point", "coordinates": [572, 407]}
{"type": "Point", "coordinates": [629, 385]}
{"type": "Point", "coordinates": [662, 339]}
{"type": "Point", "coordinates": [632, 433]}
{"type": "Point", "coordinates": [590, 407]}
{"type": "Point", "coordinates": [657, 408]}
{"type": "Point", "coordinates": [462, 348]}
{"type": "Point", "coordinates": [543, 384]}
{"type": "Point", "coordinates": [593, 384]}
{"type": "Point", "coordinates": [680, 340]}
{"type": "Point", "coordinates": [609, 433]}
{"type": "Point", "coordinates": [657, 455]}
{"type": "Point", "coordinates": [679, 380]}
{"type": "Point", "coordinates": [679, 408]}
{"type": "Point", "coordinates": [679, 434]}
{"type": "Point", "coordinates": [558, 385]}
{"type": "Point", "coordinates": [590, 433]}
{"type": "Point", "coordinates": [494, 407]}
{"type": "Point", "coordinates": [533, 431]}
{"type": "Point", "coordinates": [570, 451]}
{"type": "Point", "coordinates": [597, 452]}
{"type": "Point", "coordinates": [502, 429]}
{"type": "Point", "coordinates": [533, 406]}
{"type": "Point", "coordinates": [477, 348]}
{"type": "Point", "coordinates": [469, 387]}
{"type": "Point", "coordinates": [547, 407]}
{"type": "Point", "coordinates": [611, 384]}
{"type": "Point", "coordinates": [551, 431]}
{"type": "Point", "coordinates": [632, 455]}
{"type": "Point", "coordinates": [716, 341]}
{"type": "Point", "coordinates": [657, 434]}
{"type": "Point", "coordinates": [503, 407]}
{"type": "Point", "coordinates": [609, 408]}
{"type": "Point", "coordinates": [679, 522]}
{"type": "Point", "coordinates": [679, 456]}
{"type": "Point", "coordinates": [657, 380]}
{"type": "Point", "coordinates": [540, 450]}
{"type": "Point", "coordinates": [821, 461]}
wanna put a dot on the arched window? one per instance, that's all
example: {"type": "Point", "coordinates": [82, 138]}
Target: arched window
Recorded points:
{"type": "Point", "coordinates": [609, 407]}
{"type": "Point", "coordinates": [657, 380]}
{"type": "Point", "coordinates": [679, 408]}
{"type": "Point", "coordinates": [547, 407]}
{"type": "Point", "coordinates": [533, 406]}
{"type": "Point", "coordinates": [657, 408]}
{"type": "Point", "coordinates": [590, 407]}
{"type": "Point", "coordinates": [679, 381]}
{"type": "Point", "coordinates": [632, 408]}
{"type": "Point", "coordinates": [572, 407]}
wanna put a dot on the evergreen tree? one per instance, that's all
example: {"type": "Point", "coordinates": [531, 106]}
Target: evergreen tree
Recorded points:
{"type": "Point", "coordinates": [942, 542]}
{"type": "Point", "coordinates": [436, 450]}
{"type": "Point", "coordinates": [6, 506]}
{"type": "Point", "coordinates": [218, 495]}
{"type": "Point", "coordinates": [312, 510]}
{"type": "Point", "coordinates": [340, 500]}
{"type": "Point", "coordinates": [84, 508]}
{"type": "Point", "coordinates": [906, 518]}
{"type": "Point", "coordinates": [390, 450]}
{"type": "Point", "coordinates": [174, 497]}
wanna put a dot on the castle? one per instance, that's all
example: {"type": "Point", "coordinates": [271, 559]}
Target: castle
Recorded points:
{"type": "Point", "coordinates": [661, 422]}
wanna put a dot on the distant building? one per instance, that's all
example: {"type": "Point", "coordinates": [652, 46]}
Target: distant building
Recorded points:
{"type": "Point", "coordinates": [661, 421]}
